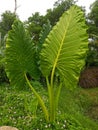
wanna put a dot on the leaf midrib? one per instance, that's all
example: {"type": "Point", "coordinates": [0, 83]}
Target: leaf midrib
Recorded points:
{"type": "Point", "coordinates": [61, 44]}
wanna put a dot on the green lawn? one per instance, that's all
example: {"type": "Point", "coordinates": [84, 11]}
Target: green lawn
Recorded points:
{"type": "Point", "coordinates": [20, 108]}
{"type": "Point", "coordinates": [82, 104]}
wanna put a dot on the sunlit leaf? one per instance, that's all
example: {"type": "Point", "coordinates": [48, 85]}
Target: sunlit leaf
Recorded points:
{"type": "Point", "coordinates": [65, 47]}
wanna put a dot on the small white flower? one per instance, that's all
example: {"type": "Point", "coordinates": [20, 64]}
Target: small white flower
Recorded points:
{"type": "Point", "coordinates": [64, 125]}
{"type": "Point", "coordinates": [1, 114]}
{"type": "Point", "coordinates": [49, 125]}
{"type": "Point", "coordinates": [46, 126]}
{"type": "Point", "coordinates": [19, 117]}
{"type": "Point", "coordinates": [6, 115]}
{"type": "Point", "coordinates": [59, 112]}
{"type": "Point", "coordinates": [58, 122]}
{"type": "Point", "coordinates": [41, 120]}
{"type": "Point", "coordinates": [10, 117]}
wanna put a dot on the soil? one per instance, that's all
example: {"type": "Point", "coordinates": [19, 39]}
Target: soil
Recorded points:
{"type": "Point", "coordinates": [89, 77]}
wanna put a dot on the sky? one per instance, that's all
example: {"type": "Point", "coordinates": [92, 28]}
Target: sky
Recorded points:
{"type": "Point", "coordinates": [28, 7]}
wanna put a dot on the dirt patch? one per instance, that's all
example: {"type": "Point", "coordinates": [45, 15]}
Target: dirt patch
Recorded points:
{"type": "Point", "coordinates": [89, 77]}
{"type": "Point", "coordinates": [7, 128]}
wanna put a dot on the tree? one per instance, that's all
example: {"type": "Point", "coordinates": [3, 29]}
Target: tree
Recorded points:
{"type": "Point", "coordinates": [93, 19]}
{"type": "Point", "coordinates": [7, 19]}
{"type": "Point", "coordinates": [36, 21]}
{"type": "Point", "coordinates": [15, 6]}
{"type": "Point", "coordinates": [59, 7]}
{"type": "Point", "coordinates": [34, 25]}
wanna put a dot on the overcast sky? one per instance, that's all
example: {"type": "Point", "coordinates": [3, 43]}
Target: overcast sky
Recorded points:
{"type": "Point", "coordinates": [27, 7]}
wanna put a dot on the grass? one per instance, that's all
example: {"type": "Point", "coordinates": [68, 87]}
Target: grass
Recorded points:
{"type": "Point", "coordinates": [92, 107]}
{"type": "Point", "coordinates": [78, 109]}
{"type": "Point", "coordinates": [78, 103]}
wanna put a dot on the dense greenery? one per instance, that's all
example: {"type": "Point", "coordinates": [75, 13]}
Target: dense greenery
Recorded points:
{"type": "Point", "coordinates": [19, 109]}
{"type": "Point", "coordinates": [7, 19]}
{"type": "Point", "coordinates": [36, 21]}
{"type": "Point", "coordinates": [34, 24]}
{"type": "Point", "coordinates": [38, 54]}
{"type": "Point", "coordinates": [92, 21]}
{"type": "Point", "coordinates": [54, 63]}
{"type": "Point", "coordinates": [60, 7]}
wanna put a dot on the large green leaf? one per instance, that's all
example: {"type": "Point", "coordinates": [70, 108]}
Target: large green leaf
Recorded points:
{"type": "Point", "coordinates": [20, 55]}
{"type": "Point", "coordinates": [65, 47]}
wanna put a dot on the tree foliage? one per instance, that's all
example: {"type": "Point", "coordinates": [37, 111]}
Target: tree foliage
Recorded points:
{"type": "Point", "coordinates": [36, 21]}
{"type": "Point", "coordinates": [93, 18]}
{"type": "Point", "coordinates": [7, 19]}
{"type": "Point", "coordinates": [34, 25]}
{"type": "Point", "coordinates": [59, 7]}
{"type": "Point", "coordinates": [92, 21]}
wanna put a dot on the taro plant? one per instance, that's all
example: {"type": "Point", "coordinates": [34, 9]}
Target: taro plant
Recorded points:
{"type": "Point", "coordinates": [61, 58]}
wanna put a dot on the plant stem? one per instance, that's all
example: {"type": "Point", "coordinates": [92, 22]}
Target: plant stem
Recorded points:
{"type": "Point", "coordinates": [41, 102]}
{"type": "Point", "coordinates": [52, 98]}
{"type": "Point", "coordinates": [58, 95]}
{"type": "Point", "coordinates": [51, 101]}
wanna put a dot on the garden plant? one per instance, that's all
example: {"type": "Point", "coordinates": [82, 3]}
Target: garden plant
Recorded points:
{"type": "Point", "coordinates": [61, 58]}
